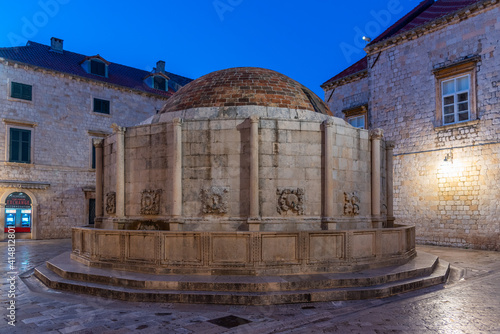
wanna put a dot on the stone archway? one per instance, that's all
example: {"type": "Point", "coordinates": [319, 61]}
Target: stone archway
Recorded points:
{"type": "Point", "coordinates": [34, 214]}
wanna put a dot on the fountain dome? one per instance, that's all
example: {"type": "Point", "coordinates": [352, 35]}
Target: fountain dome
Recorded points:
{"type": "Point", "coordinates": [244, 171]}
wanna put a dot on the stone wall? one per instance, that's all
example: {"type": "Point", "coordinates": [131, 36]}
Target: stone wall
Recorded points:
{"type": "Point", "coordinates": [353, 94]}
{"type": "Point", "coordinates": [453, 204]}
{"type": "Point", "coordinates": [243, 253]}
{"type": "Point", "coordinates": [63, 124]}
{"type": "Point", "coordinates": [216, 164]}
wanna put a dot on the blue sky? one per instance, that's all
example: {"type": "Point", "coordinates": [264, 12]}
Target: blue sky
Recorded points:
{"type": "Point", "coordinates": [307, 41]}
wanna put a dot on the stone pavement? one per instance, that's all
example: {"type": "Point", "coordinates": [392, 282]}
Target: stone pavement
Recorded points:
{"type": "Point", "coordinates": [467, 305]}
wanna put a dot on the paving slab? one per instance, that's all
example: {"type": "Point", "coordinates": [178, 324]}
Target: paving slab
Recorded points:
{"type": "Point", "coordinates": [470, 304]}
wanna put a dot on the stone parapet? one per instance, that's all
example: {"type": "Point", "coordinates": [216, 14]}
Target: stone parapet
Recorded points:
{"type": "Point", "coordinates": [243, 253]}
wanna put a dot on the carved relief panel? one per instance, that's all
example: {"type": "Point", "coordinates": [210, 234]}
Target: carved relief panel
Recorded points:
{"type": "Point", "coordinates": [111, 203]}
{"type": "Point", "coordinates": [150, 202]}
{"type": "Point", "coordinates": [214, 200]}
{"type": "Point", "coordinates": [351, 204]}
{"type": "Point", "coordinates": [290, 201]}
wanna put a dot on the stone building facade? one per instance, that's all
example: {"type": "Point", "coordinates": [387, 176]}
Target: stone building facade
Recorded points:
{"type": "Point", "coordinates": [432, 82]}
{"type": "Point", "coordinates": [53, 103]}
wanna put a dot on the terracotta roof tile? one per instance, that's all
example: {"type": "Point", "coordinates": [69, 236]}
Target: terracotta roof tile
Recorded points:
{"type": "Point", "coordinates": [40, 55]}
{"type": "Point", "coordinates": [354, 68]}
{"type": "Point", "coordinates": [401, 23]}
{"type": "Point", "coordinates": [238, 87]}
{"type": "Point", "coordinates": [426, 11]}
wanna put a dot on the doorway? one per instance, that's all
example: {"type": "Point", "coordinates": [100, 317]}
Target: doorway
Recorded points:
{"type": "Point", "coordinates": [18, 213]}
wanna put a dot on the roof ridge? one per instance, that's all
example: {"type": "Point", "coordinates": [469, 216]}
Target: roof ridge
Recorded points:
{"type": "Point", "coordinates": [435, 19]}
{"type": "Point", "coordinates": [404, 21]}
{"type": "Point", "coordinates": [29, 42]}
{"type": "Point", "coordinates": [427, 13]}
{"type": "Point", "coordinates": [360, 65]}
{"type": "Point", "coordinates": [69, 62]}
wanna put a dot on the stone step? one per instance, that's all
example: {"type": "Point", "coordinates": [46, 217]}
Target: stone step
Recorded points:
{"type": "Point", "coordinates": [421, 266]}
{"type": "Point", "coordinates": [327, 292]}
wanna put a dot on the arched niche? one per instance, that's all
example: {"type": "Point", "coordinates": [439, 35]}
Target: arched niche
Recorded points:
{"type": "Point", "coordinates": [34, 215]}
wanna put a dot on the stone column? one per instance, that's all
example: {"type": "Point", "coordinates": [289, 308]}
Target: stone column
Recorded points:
{"type": "Point", "coordinates": [254, 219]}
{"type": "Point", "coordinates": [376, 135]}
{"type": "Point", "coordinates": [389, 151]}
{"type": "Point", "coordinates": [98, 144]}
{"type": "Point", "coordinates": [176, 180]}
{"type": "Point", "coordinates": [120, 170]}
{"type": "Point", "coordinates": [329, 191]}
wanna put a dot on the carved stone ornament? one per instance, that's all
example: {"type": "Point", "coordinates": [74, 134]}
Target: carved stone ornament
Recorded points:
{"type": "Point", "coordinates": [376, 134]}
{"type": "Point", "coordinates": [351, 204]}
{"type": "Point", "coordinates": [214, 200]}
{"type": "Point", "coordinates": [150, 202]}
{"type": "Point", "coordinates": [290, 201]}
{"type": "Point", "coordinates": [111, 202]}
{"type": "Point", "coordinates": [148, 226]}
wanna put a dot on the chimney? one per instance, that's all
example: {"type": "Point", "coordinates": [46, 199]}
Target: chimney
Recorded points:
{"type": "Point", "coordinates": [160, 66]}
{"type": "Point", "coordinates": [56, 45]}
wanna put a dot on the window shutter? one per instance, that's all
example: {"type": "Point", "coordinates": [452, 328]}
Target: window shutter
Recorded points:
{"type": "Point", "coordinates": [26, 92]}
{"type": "Point", "coordinates": [101, 106]}
{"type": "Point", "coordinates": [20, 91]}
{"type": "Point", "coordinates": [105, 107]}
{"type": "Point", "coordinates": [14, 145]}
{"type": "Point", "coordinates": [20, 145]}
{"type": "Point", "coordinates": [93, 157]}
{"type": "Point", "coordinates": [15, 90]}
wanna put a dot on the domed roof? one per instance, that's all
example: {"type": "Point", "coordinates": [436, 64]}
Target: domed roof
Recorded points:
{"type": "Point", "coordinates": [245, 86]}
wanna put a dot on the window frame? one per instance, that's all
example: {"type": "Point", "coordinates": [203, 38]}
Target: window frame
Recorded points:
{"type": "Point", "coordinates": [98, 61]}
{"type": "Point", "coordinates": [20, 149]}
{"type": "Point", "coordinates": [21, 125]}
{"type": "Point", "coordinates": [165, 81]}
{"type": "Point", "coordinates": [456, 112]}
{"type": "Point", "coordinates": [453, 72]}
{"type": "Point", "coordinates": [359, 111]}
{"type": "Point", "coordinates": [17, 99]}
{"type": "Point", "coordinates": [100, 112]}
{"type": "Point", "coordinates": [21, 86]}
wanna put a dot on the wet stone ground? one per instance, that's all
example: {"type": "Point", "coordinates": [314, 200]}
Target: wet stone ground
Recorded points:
{"type": "Point", "coordinates": [467, 305]}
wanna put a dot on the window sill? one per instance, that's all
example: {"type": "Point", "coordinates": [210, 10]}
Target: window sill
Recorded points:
{"type": "Point", "coordinates": [456, 125]}
{"type": "Point", "coordinates": [15, 99]}
{"type": "Point", "coordinates": [19, 164]}
{"type": "Point", "coordinates": [100, 114]}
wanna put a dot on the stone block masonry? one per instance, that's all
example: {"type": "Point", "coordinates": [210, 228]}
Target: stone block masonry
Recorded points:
{"type": "Point", "coordinates": [62, 124]}
{"type": "Point", "coordinates": [453, 203]}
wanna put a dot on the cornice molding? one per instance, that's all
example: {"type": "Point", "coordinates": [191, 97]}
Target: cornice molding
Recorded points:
{"type": "Point", "coordinates": [24, 184]}
{"type": "Point", "coordinates": [16, 64]}
{"type": "Point", "coordinates": [19, 122]}
{"type": "Point", "coordinates": [434, 25]}
{"type": "Point", "coordinates": [345, 80]}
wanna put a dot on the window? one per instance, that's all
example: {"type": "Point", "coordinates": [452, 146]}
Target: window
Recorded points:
{"type": "Point", "coordinates": [101, 106]}
{"type": "Point", "coordinates": [159, 83]}
{"type": "Point", "coordinates": [20, 146]}
{"type": "Point", "coordinates": [357, 116]}
{"type": "Point", "coordinates": [20, 91]}
{"type": "Point", "coordinates": [456, 93]}
{"type": "Point", "coordinates": [91, 211]}
{"type": "Point", "coordinates": [93, 156]}
{"type": "Point", "coordinates": [98, 68]}
{"type": "Point", "coordinates": [357, 121]}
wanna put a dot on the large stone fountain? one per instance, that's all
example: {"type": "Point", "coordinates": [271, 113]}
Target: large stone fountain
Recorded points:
{"type": "Point", "coordinates": [243, 172]}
